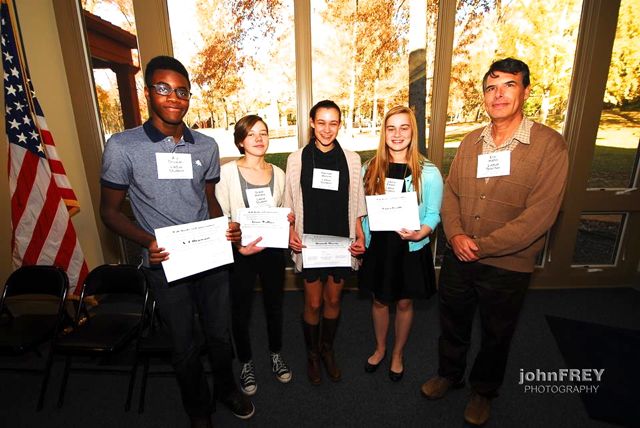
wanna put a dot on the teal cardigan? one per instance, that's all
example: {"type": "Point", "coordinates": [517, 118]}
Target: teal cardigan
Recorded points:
{"type": "Point", "coordinates": [429, 207]}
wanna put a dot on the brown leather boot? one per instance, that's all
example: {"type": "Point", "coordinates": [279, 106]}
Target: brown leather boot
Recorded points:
{"type": "Point", "coordinates": [329, 328]}
{"type": "Point", "coordinates": [311, 339]}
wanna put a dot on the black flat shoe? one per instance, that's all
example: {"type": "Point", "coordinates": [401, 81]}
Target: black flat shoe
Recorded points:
{"type": "Point", "coordinates": [370, 368]}
{"type": "Point", "coordinates": [395, 377]}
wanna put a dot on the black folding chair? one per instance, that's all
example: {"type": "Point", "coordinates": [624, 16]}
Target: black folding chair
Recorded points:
{"type": "Point", "coordinates": [107, 328]}
{"type": "Point", "coordinates": [32, 312]}
{"type": "Point", "coordinates": [153, 343]}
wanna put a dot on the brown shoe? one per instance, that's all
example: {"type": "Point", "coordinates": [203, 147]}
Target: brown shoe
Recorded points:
{"type": "Point", "coordinates": [436, 387]}
{"type": "Point", "coordinates": [478, 410]}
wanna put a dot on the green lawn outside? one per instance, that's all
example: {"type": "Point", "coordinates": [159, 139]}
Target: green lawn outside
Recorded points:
{"type": "Point", "coordinates": [611, 168]}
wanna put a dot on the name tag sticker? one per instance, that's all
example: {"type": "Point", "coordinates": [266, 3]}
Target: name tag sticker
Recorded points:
{"type": "Point", "coordinates": [173, 166]}
{"type": "Point", "coordinates": [325, 179]}
{"type": "Point", "coordinates": [494, 164]}
{"type": "Point", "coordinates": [393, 185]}
{"type": "Point", "coordinates": [260, 197]}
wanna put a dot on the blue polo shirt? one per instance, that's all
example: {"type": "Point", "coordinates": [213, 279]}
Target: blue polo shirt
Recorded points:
{"type": "Point", "coordinates": [129, 163]}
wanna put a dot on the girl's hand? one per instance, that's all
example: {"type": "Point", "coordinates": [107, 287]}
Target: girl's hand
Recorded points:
{"type": "Point", "coordinates": [291, 218]}
{"type": "Point", "coordinates": [234, 234]}
{"type": "Point", "coordinates": [357, 248]}
{"type": "Point", "coordinates": [251, 248]}
{"type": "Point", "coordinates": [414, 235]}
{"type": "Point", "coordinates": [294, 241]}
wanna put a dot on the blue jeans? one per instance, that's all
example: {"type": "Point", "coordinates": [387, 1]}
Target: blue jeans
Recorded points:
{"type": "Point", "coordinates": [206, 294]}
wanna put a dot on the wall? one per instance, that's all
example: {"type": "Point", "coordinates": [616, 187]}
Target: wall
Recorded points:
{"type": "Point", "coordinates": [40, 37]}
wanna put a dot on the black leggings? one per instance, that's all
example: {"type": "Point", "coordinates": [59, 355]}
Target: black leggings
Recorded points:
{"type": "Point", "coordinates": [268, 265]}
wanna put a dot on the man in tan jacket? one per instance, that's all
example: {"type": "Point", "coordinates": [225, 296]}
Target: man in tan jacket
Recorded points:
{"type": "Point", "coordinates": [502, 194]}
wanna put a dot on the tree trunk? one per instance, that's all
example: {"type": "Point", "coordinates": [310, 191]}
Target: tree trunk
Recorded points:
{"type": "Point", "coordinates": [545, 105]}
{"type": "Point", "coordinates": [374, 112]}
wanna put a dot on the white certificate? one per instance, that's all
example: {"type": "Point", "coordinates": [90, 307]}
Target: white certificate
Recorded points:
{"type": "Point", "coordinates": [195, 247]}
{"type": "Point", "coordinates": [269, 223]}
{"type": "Point", "coordinates": [174, 166]}
{"type": "Point", "coordinates": [325, 251]}
{"type": "Point", "coordinates": [393, 211]}
{"type": "Point", "coordinates": [494, 164]}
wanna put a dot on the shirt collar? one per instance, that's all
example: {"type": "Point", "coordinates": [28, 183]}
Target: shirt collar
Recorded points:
{"type": "Point", "coordinates": [522, 134]}
{"type": "Point", "coordinates": [156, 135]}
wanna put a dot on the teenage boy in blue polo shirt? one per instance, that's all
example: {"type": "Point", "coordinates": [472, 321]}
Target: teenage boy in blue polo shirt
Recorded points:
{"type": "Point", "coordinates": [129, 166]}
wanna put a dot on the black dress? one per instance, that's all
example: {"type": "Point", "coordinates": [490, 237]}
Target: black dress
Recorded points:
{"type": "Point", "coordinates": [326, 212]}
{"type": "Point", "coordinates": [389, 270]}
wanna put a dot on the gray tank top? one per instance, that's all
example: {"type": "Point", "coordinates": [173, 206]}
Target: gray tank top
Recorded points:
{"type": "Point", "coordinates": [244, 185]}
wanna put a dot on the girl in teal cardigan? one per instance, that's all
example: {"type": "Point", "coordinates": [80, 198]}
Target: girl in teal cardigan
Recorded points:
{"type": "Point", "coordinates": [398, 266]}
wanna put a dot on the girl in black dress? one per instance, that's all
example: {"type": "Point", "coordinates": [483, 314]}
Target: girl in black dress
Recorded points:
{"type": "Point", "coordinates": [398, 266]}
{"type": "Point", "coordinates": [334, 207]}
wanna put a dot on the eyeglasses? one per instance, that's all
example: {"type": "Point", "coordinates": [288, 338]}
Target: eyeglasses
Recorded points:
{"type": "Point", "coordinates": [166, 90]}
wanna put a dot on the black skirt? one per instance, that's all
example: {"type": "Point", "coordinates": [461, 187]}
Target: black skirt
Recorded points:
{"type": "Point", "coordinates": [391, 272]}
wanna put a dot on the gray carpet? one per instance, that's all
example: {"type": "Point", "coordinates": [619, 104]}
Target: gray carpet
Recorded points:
{"type": "Point", "coordinates": [360, 399]}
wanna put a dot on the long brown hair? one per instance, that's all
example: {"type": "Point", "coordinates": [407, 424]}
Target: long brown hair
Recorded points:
{"type": "Point", "coordinates": [378, 166]}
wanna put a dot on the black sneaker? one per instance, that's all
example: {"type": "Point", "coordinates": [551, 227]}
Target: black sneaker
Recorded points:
{"type": "Point", "coordinates": [248, 378]}
{"type": "Point", "coordinates": [280, 368]}
{"type": "Point", "coordinates": [239, 404]}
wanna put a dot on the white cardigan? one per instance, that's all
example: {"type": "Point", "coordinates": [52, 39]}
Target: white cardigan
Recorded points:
{"type": "Point", "coordinates": [229, 192]}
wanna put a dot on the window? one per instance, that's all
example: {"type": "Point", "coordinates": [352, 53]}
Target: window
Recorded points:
{"type": "Point", "coordinates": [118, 80]}
{"type": "Point", "coordinates": [241, 58]}
{"type": "Point", "coordinates": [361, 61]}
{"type": "Point", "coordinates": [616, 148]}
{"type": "Point", "coordinates": [543, 36]}
{"type": "Point", "coordinates": [598, 239]}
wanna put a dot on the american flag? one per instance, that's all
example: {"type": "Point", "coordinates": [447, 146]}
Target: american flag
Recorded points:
{"type": "Point", "coordinates": [42, 200]}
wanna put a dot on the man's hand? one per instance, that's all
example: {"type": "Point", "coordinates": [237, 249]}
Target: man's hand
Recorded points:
{"type": "Point", "coordinates": [234, 234]}
{"type": "Point", "coordinates": [156, 254]}
{"type": "Point", "coordinates": [464, 248]}
{"type": "Point", "coordinates": [251, 248]}
{"type": "Point", "coordinates": [294, 241]}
